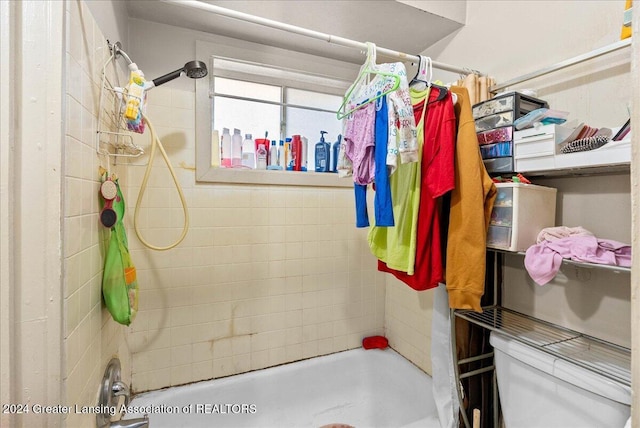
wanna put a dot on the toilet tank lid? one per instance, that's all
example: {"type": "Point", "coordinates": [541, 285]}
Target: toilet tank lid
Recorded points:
{"type": "Point", "coordinates": [562, 369]}
{"type": "Point", "coordinates": [526, 354]}
{"type": "Point", "coordinates": [592, 382]}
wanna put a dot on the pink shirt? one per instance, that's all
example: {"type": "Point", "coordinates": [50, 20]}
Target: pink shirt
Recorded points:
{"type": "Point", "coordinates": [543, 260]}
{"type": "Point", "coordinates": [359, 143]}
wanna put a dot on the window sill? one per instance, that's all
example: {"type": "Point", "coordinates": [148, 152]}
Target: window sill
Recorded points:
{"type": "Point", "coordinates": [262, 177]}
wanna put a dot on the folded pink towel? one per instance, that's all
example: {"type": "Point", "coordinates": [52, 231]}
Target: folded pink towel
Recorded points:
{"type": "Point", "coordinates": [559, 232]}
{"type": "Point", "coordinates": [543, 260]}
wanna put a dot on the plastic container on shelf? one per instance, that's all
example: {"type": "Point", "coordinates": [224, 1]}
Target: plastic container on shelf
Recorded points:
{"type": "Point", "coordinates": [520, 212]}
{"type": "Point", "coordinates": [248, 152]}
{"type": "Point", "coordinates": [323, 154]}
{"type": "Point", "coordinates": [287, 160]}
{"type": "Point", "coordinates": [226, 148]}
{"type": "Point", "coordinates": [273, 153]}
{"type": "Point", "coordinates": [334, 154]}
{"type": "Point", "coordinates": [265, 142]}
{"type": "Point", "coordinates": [296, 153]}
{"type": "Point", "coordinates": [236, 149]}
{"type": "Point", "coordinates": [261, 157]}
{"type": "Point", "coordinates": [274, 157]}
{"type": "Point", "coordinates": [305, 154]}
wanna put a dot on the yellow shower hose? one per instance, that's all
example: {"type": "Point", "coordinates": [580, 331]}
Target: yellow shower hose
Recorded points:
{"type": "Point", "coordinates": [155, 141]}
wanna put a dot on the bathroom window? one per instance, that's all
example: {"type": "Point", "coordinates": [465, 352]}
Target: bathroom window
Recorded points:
{"type": "Point", "coordinates": [277, 111]}
{"type": "Point", "coordinates": [251, 107]}
{"type": "Point", "coordinates": [261, 99]}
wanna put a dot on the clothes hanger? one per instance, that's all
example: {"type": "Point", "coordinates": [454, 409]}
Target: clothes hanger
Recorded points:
{"type": "Point", "coordinates": [424, 76]}
{"type": "Point", "coordinates": [367, 69]}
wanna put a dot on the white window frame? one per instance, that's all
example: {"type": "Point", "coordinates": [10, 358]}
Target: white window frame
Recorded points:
{"type": "Point", "coordinates": [320, 73]}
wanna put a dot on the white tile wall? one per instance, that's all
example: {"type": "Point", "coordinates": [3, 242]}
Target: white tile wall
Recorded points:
{"type": "Point", "coordinates": [407, 322]}
{"type": "Point", "coordinates": [91, 337]}
{"type": "Point", "coordinates": [266, 275]}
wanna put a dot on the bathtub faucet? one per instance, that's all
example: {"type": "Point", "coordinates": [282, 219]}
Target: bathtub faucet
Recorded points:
{"type": "Point", "coordinates": [131, 423]}
{"type": "Point", "coordinates": [120, 388]}
{"type": "Point", "coordinates": [111, 389]}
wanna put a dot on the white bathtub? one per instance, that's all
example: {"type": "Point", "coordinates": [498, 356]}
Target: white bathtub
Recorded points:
{"type": "Point", "coordinates": [371, 388]}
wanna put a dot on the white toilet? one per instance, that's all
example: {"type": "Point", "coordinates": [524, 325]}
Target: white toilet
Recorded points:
{"type": "Point", "coordinates": [539, 390]}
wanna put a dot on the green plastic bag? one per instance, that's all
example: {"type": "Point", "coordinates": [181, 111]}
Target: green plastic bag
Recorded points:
{"type": "Point", "coordinates": [119, 282]}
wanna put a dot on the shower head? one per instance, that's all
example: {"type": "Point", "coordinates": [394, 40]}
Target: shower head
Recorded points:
{"type": "Point", "coordinates": [193, 69]}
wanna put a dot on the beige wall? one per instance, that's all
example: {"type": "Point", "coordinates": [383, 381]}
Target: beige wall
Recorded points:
{"type": "Point", "coordinates": [635, 240]}
{"type": "Point", "coordinates": [407, 321]}
{"type": "Point", "coordinates": [408, 313]}
{"type": "Point", "coordinates": [497, 41]}
{"type": "Point", "coordinates": [31, 118]}
{"type": "Point", "coordinates": [90, 336]}
{"type": "Point", "coordinates": [155, 47]}
{"type": "Point", "coordinates": [266, 275]}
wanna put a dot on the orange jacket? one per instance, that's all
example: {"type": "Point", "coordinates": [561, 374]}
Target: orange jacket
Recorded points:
{"type": "Point", "coordinates": [470, 213]}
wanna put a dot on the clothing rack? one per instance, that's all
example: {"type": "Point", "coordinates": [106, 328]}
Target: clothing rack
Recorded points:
{"type": "Point", "coordinates": [195, 4]}
{"type": "Point", "coordinates": [564, 64]}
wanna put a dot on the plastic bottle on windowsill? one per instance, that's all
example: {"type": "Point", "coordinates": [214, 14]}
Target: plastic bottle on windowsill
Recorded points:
{"type": "Point", "coordinates": [236, 149]}
{"type": "Point", "coordinates": [296, 153]}
{"type": "Point", "coordinates": [274, 157]}
{"type": "Point", "coordinates": [248, 152]}
{"type": "Point", "coordinates": [305, 155]}
{"type": "Point", "coordinates": [288, 163]}
{"type": "Point", "coordinates": [226, 148]}
{"type": "Point", "coordinates": [261, 157]}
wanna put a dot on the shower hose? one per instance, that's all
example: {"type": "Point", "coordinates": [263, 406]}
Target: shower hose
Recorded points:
{"type": "Point", "coordinates": [155, 142]}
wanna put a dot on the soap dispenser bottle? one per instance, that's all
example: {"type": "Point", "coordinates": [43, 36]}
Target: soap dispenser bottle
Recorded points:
{"type": "Point", "coordinates": [322, 154]}
{"type": "Point", "coordinates": [335, 150]}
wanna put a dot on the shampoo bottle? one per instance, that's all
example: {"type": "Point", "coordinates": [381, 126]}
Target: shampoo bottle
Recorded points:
{"type": "Point", "coordinates": [296, 153]}
{"type": "Point", "coordinates": [288, 164]}
{"type": "Point", "coordinates": [226, 148]}
{"type": "Point", "coordinates": [248, 152]}
{"type": "Point", "coordinates": [273, 156]}
{"type": "Point", "coordinates": [261, 156]}
{"type": "Point", "coordinates": [305, 154]}
{"type": "Point", "coordinates": [323, 154]}
{"type": "Point", "coordinates": [236, 149]}
{"type": "Point", "coordinates": [335, 150]}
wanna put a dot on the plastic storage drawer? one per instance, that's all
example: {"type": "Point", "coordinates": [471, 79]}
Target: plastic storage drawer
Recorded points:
{"type": "Point", "coordinates": [494, 121]}
{"type": "Point", "coordinates": [495, 135]}
{"type": "Point", "coordinates": [493, 106]}
{"type": "Point", "coordinates": [520, 212]}
{"type": "Point", "coordinates": [498, 165]}
{"type": "Point", "coordinates": [499, 237]}
{"type": "Point", "coordinates": [535, 149]}
{"type": "Point", "coordinates": [496, 150]}
{"type": "Point", "coordinates": [516, 102]}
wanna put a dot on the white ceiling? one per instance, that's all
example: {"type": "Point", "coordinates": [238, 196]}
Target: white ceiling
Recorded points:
{"type": "Point", "coordinates": [399, 25]}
